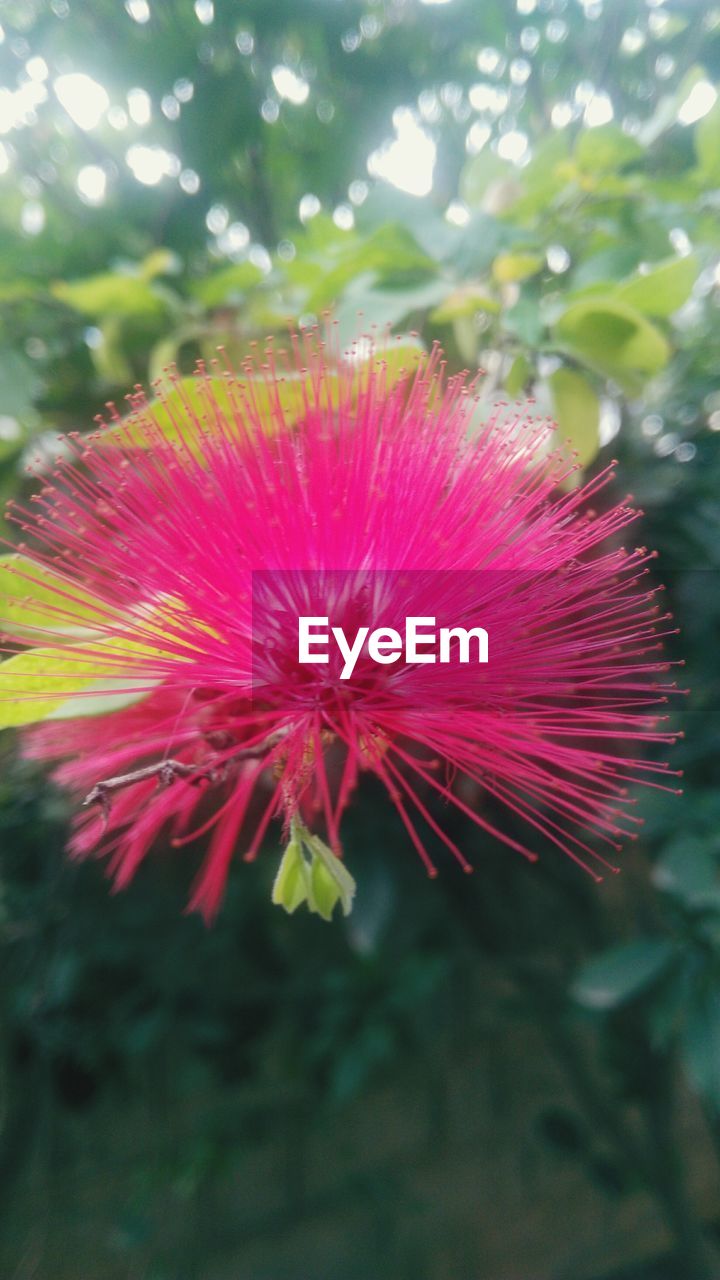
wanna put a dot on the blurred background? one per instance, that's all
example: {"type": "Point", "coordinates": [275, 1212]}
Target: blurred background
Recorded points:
{"type": "Point", "coordinates": [509, 1077]}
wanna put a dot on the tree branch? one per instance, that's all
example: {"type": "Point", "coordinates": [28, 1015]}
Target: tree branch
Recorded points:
{"type": "Point", "coordinates": [166, 772]}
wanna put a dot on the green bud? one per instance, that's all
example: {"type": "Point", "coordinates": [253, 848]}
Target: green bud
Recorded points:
{"type": "Point", "coordinates": [332, 869]}
{"type": "Point", "coordinates": [292, 882]}
{"type": "Point", "coordinates": [324, 890]}
{"type": "Point", "coordinates": [321, 879]}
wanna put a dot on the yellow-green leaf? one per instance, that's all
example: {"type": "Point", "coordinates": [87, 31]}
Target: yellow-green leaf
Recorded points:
{"type": "Point", "coordinates": [662, 289]}
{"type": "Point", "coordinates": [480, 174]}
{"type": "Point", "coordinates": [467, 300]}
{"type": "Point", "coordinates": [228, 285]}
{"type": "Point", "coordinates": [101, 703]}
{"type": "Point", "coordinates": [510, 267]}
{"type": "Point", "coordinates": [518, 375]}
{"type": "Point", "coordinates": [198, 400]}
{"type": "Point", "coordinates": [707, 146]}
{"type": "Point", "coordinates": [250, 399]}
{"type": "Point", "coordinates": [609, 335]}
{"type": "Point", "coordinates": [52, 682]}
{"type": "Point", "coordinates": [110, 355]}
{"type": "Point", "coordinates": [32, 684]}
{"type": "Point", "coordinates": [111, 294]}
{"type": "Point", "coordinates": [160, 262]}
{"type": "Point", "coordinates": [577, 412]}
{"type": "Point", "coordinates": [399, 359]}
{"type": "Point", "coordinates": [606, 149]}
{"type": "Point", "coordinates": [34, 601]}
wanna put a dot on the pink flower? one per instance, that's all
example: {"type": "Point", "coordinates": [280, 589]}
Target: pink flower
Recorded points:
{"type": "Point", "coordinates": [369, 503]}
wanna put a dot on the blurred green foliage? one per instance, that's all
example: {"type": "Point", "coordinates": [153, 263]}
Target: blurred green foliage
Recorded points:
{"type": "Point", "coordinates": [570, 249]}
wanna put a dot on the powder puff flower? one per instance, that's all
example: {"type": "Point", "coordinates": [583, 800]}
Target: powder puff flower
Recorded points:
{"type": "Point", "coordinates": [171, 554]}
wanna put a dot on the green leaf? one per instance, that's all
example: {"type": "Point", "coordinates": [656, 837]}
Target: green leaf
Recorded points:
{"type": "Point", "coordinates": [110, 356]}
{"type": "Point", "coordinates": [481, 241]}
{"type": "Point", "coordinates": [194, 402]}
{"type": "Point", "coordinates": [518, 375]}
{"type": "Point", "coordinates": [54, 682]}
{"type": "Point", "coordinates": [200, 400]}
{"type": "Point", "coordinates": [35, 601]}
{"type": "Point", "coordinates": [399, 359]}
{"type": "Point", "coordinates": [687, 869]}
{"type": "Point", "coordinates": [462, 302]}
{"type": "Point", "coordinates": [607, 266]}
{"type": "Point", "coordinates": [466, 336]}
{"type": "Point", "coordinates": [431, 232]}
{"type": "Point", "coordinates": [229, 285]}
{"type": "Point", "coordinates": [111, 294]}
{"type": "Point", "coordinates": [662, 289]}
{"type": "Point", "coordinates": [700, 1045]}
{"type": "Point", "coordinates": [19, 385]}
{"type": "Point", "coordinates": [524, 320]}
{"type": "Point", "coordinates": [665, 115]}
{"type": "Point", "coordinates": [25, 678]}
{"type": "Point", "coordinates": [12, 440]}
{"type": "Point", "coordinates": [365, 304]}
{"type": "Point", "coordinates": [164, 354]}
{"type": "Point", "coordinates": [577, 412]}
{"type": "Point", "coordinates": [606, 149]}
{"type": "Point", "coordinates": [480, 174]}
{"type": "Point", "coordinates": [615, 977]}
{"type": "Point", "coordinates": [611, 336]}
{"type": "Point", "coordinates": [667, 1014]}
{"type": "Point", "coordinates": [544, 179]}
{"type": "Point", "coordinates": [32, 685]}
{"type": "Point", "coordinates": [707, 147]}
{"type": "Point", "coordinates": [390, 257]}
{"type": "Point", "coordinates": [124, 694]}
{"type": "Point", "coordinates": [160, 262]}
{"type": "Point", "coordinates": [509, 267]}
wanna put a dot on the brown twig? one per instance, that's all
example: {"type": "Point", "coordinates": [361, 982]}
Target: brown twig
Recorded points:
{"type": "Point", "coordinates": [165, 772]}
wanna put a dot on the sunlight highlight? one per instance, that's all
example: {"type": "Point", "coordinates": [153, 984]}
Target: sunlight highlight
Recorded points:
{"type": "Point", "coordinates": [83, 98]}
{"type": "Point", "coordinates": [407, 162]}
